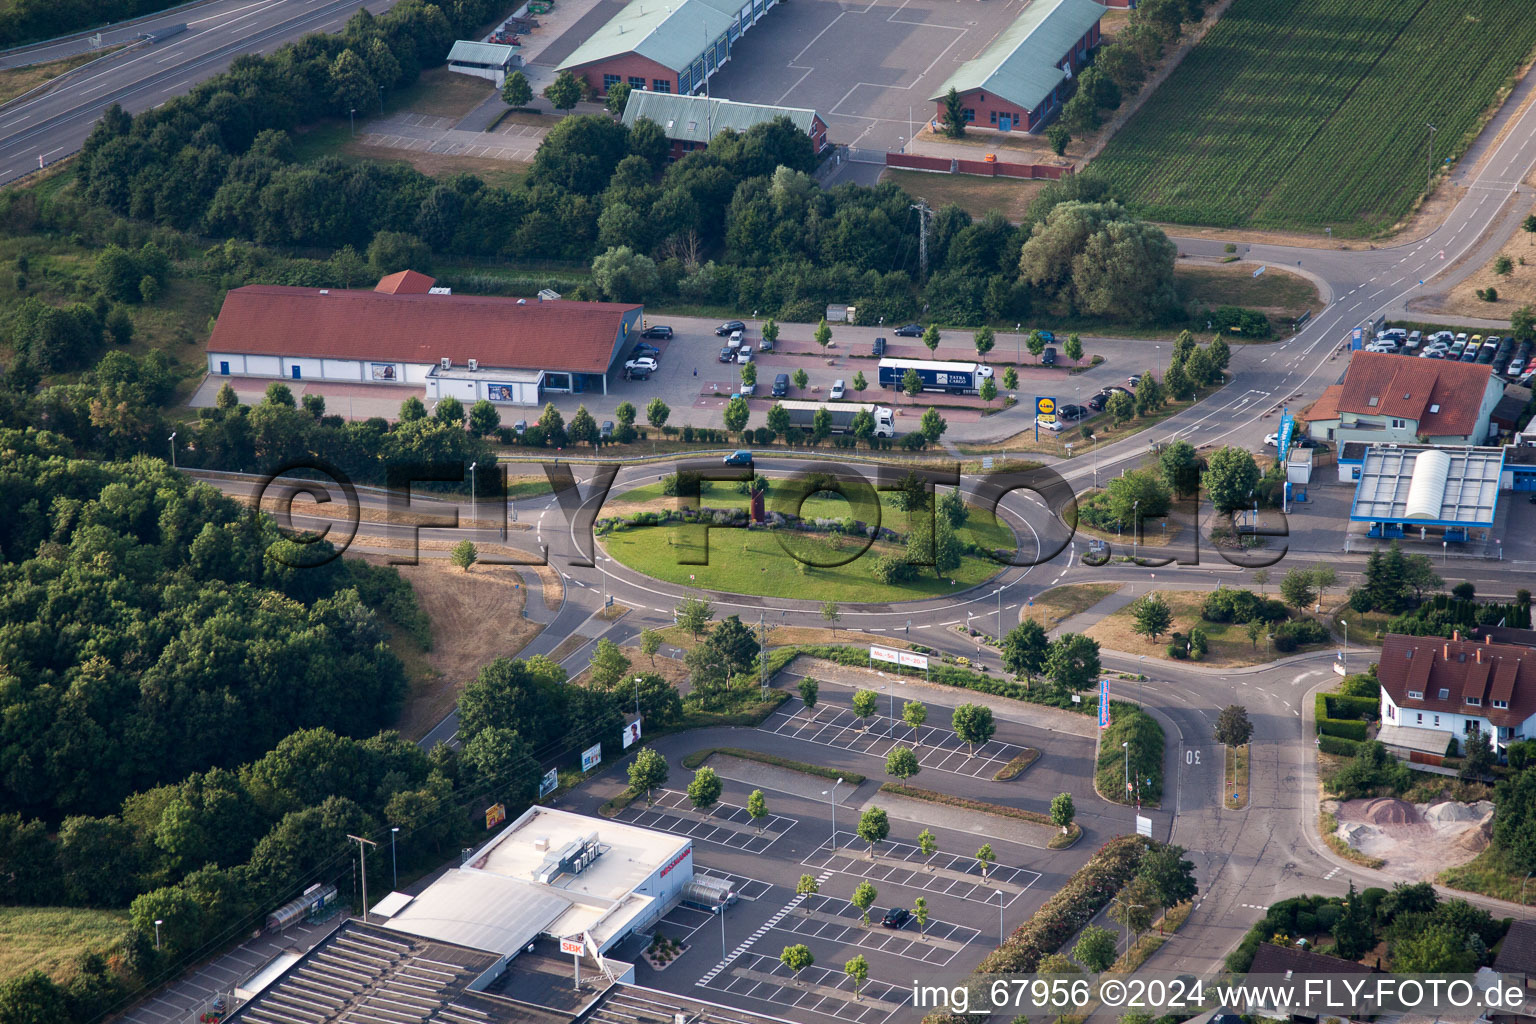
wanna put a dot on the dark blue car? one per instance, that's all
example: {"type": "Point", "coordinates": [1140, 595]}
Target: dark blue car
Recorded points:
{"type": "Point", "coordinates": [740, 457]}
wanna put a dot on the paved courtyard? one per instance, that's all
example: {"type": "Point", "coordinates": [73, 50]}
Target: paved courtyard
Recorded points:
{"type": "Point", "coordinates": [936, 747]}
{"type": "Point", "coordinates": [903, 864]}
{"type": "Point", "coordinates": [723, 824]}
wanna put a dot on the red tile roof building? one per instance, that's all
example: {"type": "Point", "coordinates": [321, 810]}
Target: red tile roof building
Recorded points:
{"type": "Point", "coordinates": [467, 346]}
{"type": "Point", "coordinates": [1388, 398]}
{"type": "Point", "coordinates": [1458, 687]}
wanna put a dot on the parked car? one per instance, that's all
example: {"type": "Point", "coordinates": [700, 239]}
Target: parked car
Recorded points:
{"type": "Point", "coordinates": [781, 385]}
{"type": "Point", "coordinates": [642, 350]}
{"type": "Point", "coordinates": [909, 331]}
{"type": "Point", "coordinates": [1054, 425]}
{"type": "Point", "coordinates": [896, 917]}
{"type": "Point", "coordinates": [1433, 353]}
{"type": "Point", "coordinates": [740, 457]}
{"type": "Point", "coordinates": [1047, 336]}
{"type": "Point", "coordinates": [658, 331]}
{"type": "Point", "coordinates": [605, 432]}
{"type": "Point", "coordinates": [1297, 441]}
{"type": "Point", "coordinates": [747, 390]}
{"type": "Point", "coordinates": [1071, 412]}
{"type": "Point", "coordinates": [838, 390]}
{"type": "Point", "coordinates": [735, 339]}
{"type": "Point", "coordinates": [644, 364]}
{"type": "Point", "coordinates": [744, 354]}
{"type": "Point", "coordinates": [727, 354]}
{"type": "Point", "coordinates": [1132, 381]}
{"type": "Point", "coordinates": [879, 348]}
{"type": "Point", "coordinates": [1048, 357]}
{"type": "Point", "coordinates": [1098, 401]}
{"type": "Point", "coordinates": [520, 427]}
{"type": "Point", "coordinates": [766, 345]}
{"type": "Point", "coordinates": [1469, 354]}
{"type": "Point", "coordinates": [729, 327]}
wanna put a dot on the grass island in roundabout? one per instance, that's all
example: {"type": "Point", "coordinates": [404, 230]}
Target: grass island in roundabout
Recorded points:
{"type": "Point", "coordinates": [763, 561]}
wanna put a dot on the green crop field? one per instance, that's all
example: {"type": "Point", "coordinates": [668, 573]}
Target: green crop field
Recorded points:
{"type": "Point", "coordinates": [1305, 114]}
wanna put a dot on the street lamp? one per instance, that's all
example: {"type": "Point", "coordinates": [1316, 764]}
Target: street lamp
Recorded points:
{"type": "Point", "coordinates": [637, 696]}
{"type": "Point", "coordinates": [1127, 745]}
{"type": "Point", "coordinates": [473, 519]}
{"type": "Point", "coordinates": [1344, 654]}
{"type": "Point", "coordinates": [172, 440]}
{"type": "Point", "coordinates": [1135, 525]}
{"type": "Point", "coordinates": [160, 920]}
{"type": "Point", "coordinates": [352, 116]}
{"type": "Point", "coordinates": [831, 795]}
{"type": "Point", "coordinates": [394, 865]}
{"type": "Point", "coordinates": [1429, 153]}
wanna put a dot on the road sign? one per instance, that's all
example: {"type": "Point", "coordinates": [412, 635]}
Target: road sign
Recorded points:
{"type": "Point", "coordinates": [986, 462]}
{"type": "Point", "coordinates": [1256, 273]}
{"type": "Point", "coordinates": [1104, 703]}
{"type": "Point", "coordinates": [591, 757]}
{"type": "Point", "coordinates": [571, 946]}
{"type": "Point", "coordinates": [1143, 826]}
{"type": "Point", "coordinates": [549, 783]}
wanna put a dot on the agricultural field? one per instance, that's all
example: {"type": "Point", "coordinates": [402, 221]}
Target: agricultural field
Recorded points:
{"type": "Point", "coordinates": [1305, 114]}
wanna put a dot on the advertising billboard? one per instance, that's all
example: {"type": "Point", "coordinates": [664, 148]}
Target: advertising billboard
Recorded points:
{"type": "Point", "coordinates": [591, 757]}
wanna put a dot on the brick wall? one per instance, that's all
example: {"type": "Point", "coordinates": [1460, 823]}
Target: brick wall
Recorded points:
{"type": "Point", "coordinates": [917, 163]}
{"type": "Point", "coordinates": [986, 168]}
{"type": "Point", "coordinates": [626, 66]}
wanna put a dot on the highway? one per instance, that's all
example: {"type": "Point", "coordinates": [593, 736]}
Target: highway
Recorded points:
{"type": "Point", "coordinates": [55, 123]}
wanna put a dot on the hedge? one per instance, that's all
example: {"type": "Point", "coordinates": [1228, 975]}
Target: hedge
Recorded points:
{"type": "Point", "coordinates": [1344, 729]}
{"type": "Point", "coordinates": [1059, 840]}
{"type": "Point", "coordinates": [1337, 745]}
{"type": "Point", "coordinates": [1342, 706]}
{"type": "Point", "coordinates": [952, 675]}
{"type": "Point", "coordinates": [1086, 893]}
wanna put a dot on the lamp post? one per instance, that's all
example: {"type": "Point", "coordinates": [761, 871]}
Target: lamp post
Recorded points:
{"type": "Point", "coordinates": [1134, 906]}
{"type": "Point", "coordinates": [352, 116]}
{"type": "Point", "coordinates": [473, 491]}
{"type": "Point", "coordinates": [1344, 654]}
{"type": "Point", "coordinates": [831, 795]}
{"type": "Point", "coordinates": [1001, 934]}
{"type": "Point", "coordinates": [1429, 153]}
{"type": "Point", "coordinates": [1127, 745]}
{"type": "Point", "coordinates": [172, 440]}
{"type": "Point", "coordinates": [394, 864]}
{"type": "Point", "coordinates": [637, 696]}
{"type": "Point", "coordinates": [1135, 525]}
{"type": "Point", "coordinates": [160, 920]}
{"type": "Point", "coordinates": [1522, 889]}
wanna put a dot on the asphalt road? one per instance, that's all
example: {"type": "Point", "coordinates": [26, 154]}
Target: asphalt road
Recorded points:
{"type": "Point", "coordinates": [55, 123]}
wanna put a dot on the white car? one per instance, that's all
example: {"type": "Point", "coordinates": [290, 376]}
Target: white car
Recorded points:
{"type": "Point", "coordinates": [645, 364]}
{"type": "Point", "coordinates": [1052, 425]}
{"type": "Point", "coordinates": [747, 390]}
{"type": "Point", "coordinates": [838, 390]}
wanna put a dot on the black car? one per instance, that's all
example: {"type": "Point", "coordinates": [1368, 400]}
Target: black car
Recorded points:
{"type": "Point", "coordinates": [1098, 401]}
{"type": "Point", "coordinates": [1048, 357]}
{"type": "Point", "coordinates": [606, 431]}
{"type": "Point", "coordinates": [729, 326]}
{"type": "Point", "coordinates": [879, 348]}
{"type": "Point", "coordinates": [909, 331]}
{"type": "Point", "coordinates": [641, 350]}
{"type": "Point", "coordinates": [1071, 412]}
{"type": "Point", "coordinates": [896, 917]}
{"type": "Point", "coordinates": [727, 354]}
{"type": "Point", "coordinates": [659, 331]}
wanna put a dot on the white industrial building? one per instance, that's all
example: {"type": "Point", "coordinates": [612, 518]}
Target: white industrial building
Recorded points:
{"type": "Point", "coordinates": [492, 61]}
{"type": "Point", "coordinates": [406, 331]}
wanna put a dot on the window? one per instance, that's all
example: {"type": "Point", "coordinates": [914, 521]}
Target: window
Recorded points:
{"type": "Point", "coordinates": [636, 82]}
{"type": "Point", "coordinates": [1415, 694]}
{"type": "Point", "coordinates": [1435, 407]}
{"type": "Point", "coordinates": [1501, 703]}
{"type": "Point", "coordinates": [661, 85]}
{"type": "Point", "coordinates": [609, 81]}
{"type": "Point", "coordinates": [992, 116]}
{"type": "Point", "coordinates": [1418, 718]}
{"type": "Point", "coordinates": [1437, 721]}
{"type": "Point", "coordinates": [968, 114]}
{"type": "Point", "coordinates": [1476, 702]}
{"type": "Point", "coordinates": [1372, 402]}
{"type": "Point", "coordinates": [1399, 424]}
{"type": "Point", "coordinates": [1445, 694]}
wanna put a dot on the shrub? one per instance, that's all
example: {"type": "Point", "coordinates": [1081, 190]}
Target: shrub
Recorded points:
{"type": "Point", "coordinates": [1337, 745]}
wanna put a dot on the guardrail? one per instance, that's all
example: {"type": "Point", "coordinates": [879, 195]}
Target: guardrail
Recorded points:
{"type": "Point", "coordinates": [118, 50]}
{"type": "Point", "coordinates": [86, 33]}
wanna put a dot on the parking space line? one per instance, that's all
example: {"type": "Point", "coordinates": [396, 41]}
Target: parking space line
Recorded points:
{"type": "Point", "coordinates": [839, 727]}
{"type": "Point", "coordinates": [850, 859]}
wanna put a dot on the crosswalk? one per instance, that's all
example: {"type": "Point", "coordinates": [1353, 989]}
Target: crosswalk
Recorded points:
{"type": "Point", "coordinates": [766, 927]}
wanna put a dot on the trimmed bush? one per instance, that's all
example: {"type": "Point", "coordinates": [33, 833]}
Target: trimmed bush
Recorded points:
{"type": "Point", "coordinates": [1337, 745]}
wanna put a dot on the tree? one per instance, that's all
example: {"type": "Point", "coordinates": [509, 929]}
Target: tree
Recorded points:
{"type": "Point", "coordinates": [1063, 811]}
{"type": "Point", "coordinates": [920, 915]}
{"type": "Point", "coordinates": [609, 664]}
{"type": "Point", "coordinates": [647, 771]}
{"type": "Point", "coordinates": [618, 97]}
{"type": "Point", "coordinates": [1232, 725]}
{"type": "Point", "coordinates": [1436, 948]}
{"type": "Point", "coordinates": [801, 378]}
{"type": "Point", "coordinates": [954, 115]}
{"type": "Point", "coordinates": [279, 393]}
{"type": "Point", "coordinates": [911, 383]}
{"type": "Point", "coordinates": [778, 420]}
{"type": "Point", "coordinates": [1261, 577]}
{"type": "Point", "coordinates": [656, 413]}
{"type": "Point", "coordinates": [1134, 906]}
{"type": "Point", "coordinates": [985, 857]}
{"type": "Point", "coordinates": [874, 826]}
{"type": "Point", "coordinates": [1095, 948]}
{"type": "Point", "coordinates": [1255, 629]}
{"type": "Point", "coordinates": [757, 807]}
{"type": "Point", "coordinates": [1503, 265]}
{"type": "Point", "coordinates": [932, 425]}
{"type": "Point", "coordinates": [1120, 407]}
{"type": "Point", "coordinates": [928, 845]}
{"type": "Point", "coordinates": [1180, 466]}
{"type": "Point", "coordinates": [564, 91]}
{"type": "Point", "coordinates": [1296, 588]}
{"type": "Point", "coordinates": [583, 427]}
{"type": "Point", "coordinates": [807, 886]}
{"type": "Point", "coordinates": [863, 426]}
{"type": "Point", "coordinates": [1522, 323]}
{"type": "Point", "coordinates": [1035, 342]}
{"type": "Point", "coordinates": [1169, 877]}
{"type": "Point", "coordinates": [973, 724]}
{"type": "Point", "coordinates": [624, 275]}
{"type": "Point", "coordinates": [1178, 383]}
{"type": "Point", "coordinates": [1230, 477]}
{"type": "Point", "coordinates": [694, 615]}
{"type": "Point", "coordinates": [985, 340]}
{"type": "Point", "coordinates": [351, 84]}
{"type": "Point", "coordinates": [1096, 258]}
{"type": "Point", "coordinates": [797, 958]}
{"type": "Point", "coordinates": [483, 418]}
{"type": "Point", "coordinates": [1466, 590]}
{"type": "Point", "coordinates": [865, 702]}
{"type": "Point", "coordinates": [412, 410]}
{"type": "Point", "coordinates": [1073, 349]}
{"type": "Point", "coordinates": [1353, 935]}
{"type": "Point", "coordinates": [737, 412]}
{"type": "Point", "coordinates": [857, 970]}
{"type": "Point", "coordinates": [704, 790]}
{"type": "Point", "coordinates": [1479, 758]}
{"type": "Point", "coordinates": [864, 896]}
{"type": "Point", "coordinates": [650, 643]}
{"type": "Point", "coordinates": [823, 335]}
{"type": "Point", "coordinates": [1059, 138]}
{"type": "Point", "coordinates": [901, 762]}
{"type": "Point", "coordinates": [831, 613]}
{"type": "Point", "coordinates": [1137, 496]}
{"type": "Point", "coordinates": [1010, 378]}
{"type": "Point", "coordinates": [1149, 395]}
{"type": "Point", "coordinates": [914, 713]}
{"type": "Point", "coordinates": [809, 690]}
{"type": "Point", "coordinates": [1072, 662]}
{"type": "Point", "coordinates": [988, 391]}
{"type": "Point", "coordinates": [449, 412]}
{"type": "Point", "coordinates": [516, 92]}
{"type": "Point", "coordinates": [1024, 649]}
{"type": "Point", "coordinates": [859, 383]}
{"type": "Point", "coordinates": [931, 336]}
{"type": "Point", "coordinates": [464, 555]}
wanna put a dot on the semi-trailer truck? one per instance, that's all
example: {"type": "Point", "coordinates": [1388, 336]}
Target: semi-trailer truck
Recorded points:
{"type": "Point", "coordinates": [803, 415]}
{"type": "Point", "coordinates": [957, 378]}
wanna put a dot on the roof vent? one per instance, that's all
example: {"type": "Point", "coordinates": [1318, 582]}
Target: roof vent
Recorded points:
{"type": "Point", "coordinates": [325, 291]}
{"type": "Point", "coordinates": [1435, 407]}
{"type": "Point", "coordinates": [1406, 396]}
{"type": "Point", "coordinates": [1372, 402]}
{"type": "Point", "coordinates": [522, 302]}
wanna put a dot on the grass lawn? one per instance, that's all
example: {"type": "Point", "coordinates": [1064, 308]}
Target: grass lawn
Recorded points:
{"type": "Point", "coordinates": [440, 93]}
{"type": "Point", "coordinates": [974, 194]}
{"type": "Point", "coordinates": [1229, 644]}
{"type": "Point", "coordinates": [1283, 295]}
{"type": "Point", "coordinates": [1103, 428]}
{"type": "Point", "coordinates": [1236, 768]}
{"type": "Point", "coordinates": [1346, 148]}
{"type": "Point", "coordinates": [1489, 873]}
{"type": "Point", "coordinates": [1059, 604]}
{"type": "Point", "coordinates": [15, 81]}
{"type": "Point", "coordinates": [1365, 628]}
{"type": "Point", "coordinates": [1129, 724]}
{"type": "Point", "coordinates": [48, 938]}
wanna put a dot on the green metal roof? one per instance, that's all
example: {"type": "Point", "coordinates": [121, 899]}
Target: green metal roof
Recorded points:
{"type": "Point", "coordinates": [1022, 65]}
{"type": "Point", "coordinates": [697, 119]}
{"type": "Point", "coordinates": [673, 33]}
{"type": "Point", "coordinates": [471, 52]}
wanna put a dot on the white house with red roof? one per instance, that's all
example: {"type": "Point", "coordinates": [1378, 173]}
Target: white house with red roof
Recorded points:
{"type": "Point", "coordinates": [405, 331]}
{"type": "Point", "coordinates": [1388, 398]}
{"type": "Point", "coordinates": [1433, 688]}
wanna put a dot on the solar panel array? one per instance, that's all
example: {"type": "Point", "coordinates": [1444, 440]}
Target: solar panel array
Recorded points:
{"type": "Point", "coordinates": [359, 976]}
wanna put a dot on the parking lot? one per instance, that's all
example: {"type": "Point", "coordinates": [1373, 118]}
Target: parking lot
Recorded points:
{"type": "Point", "coordinates": [723, 824]}
{"type": "Point", "coordinates": [870, 93]}
{"type": "Point", "coordinates": [839, 921]}
{"type": "Point", "coordinates": [817, 989]}
{"type": "Point", "coordinates": [936, 747]}
{"type": "Point", "coordinates": [903, 864]}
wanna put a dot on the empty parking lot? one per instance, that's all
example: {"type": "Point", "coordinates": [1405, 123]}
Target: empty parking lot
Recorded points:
{"type": "Point", "coordinates": [936, 748]}
{"type": "Point", "coordinates": [724, 824]}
